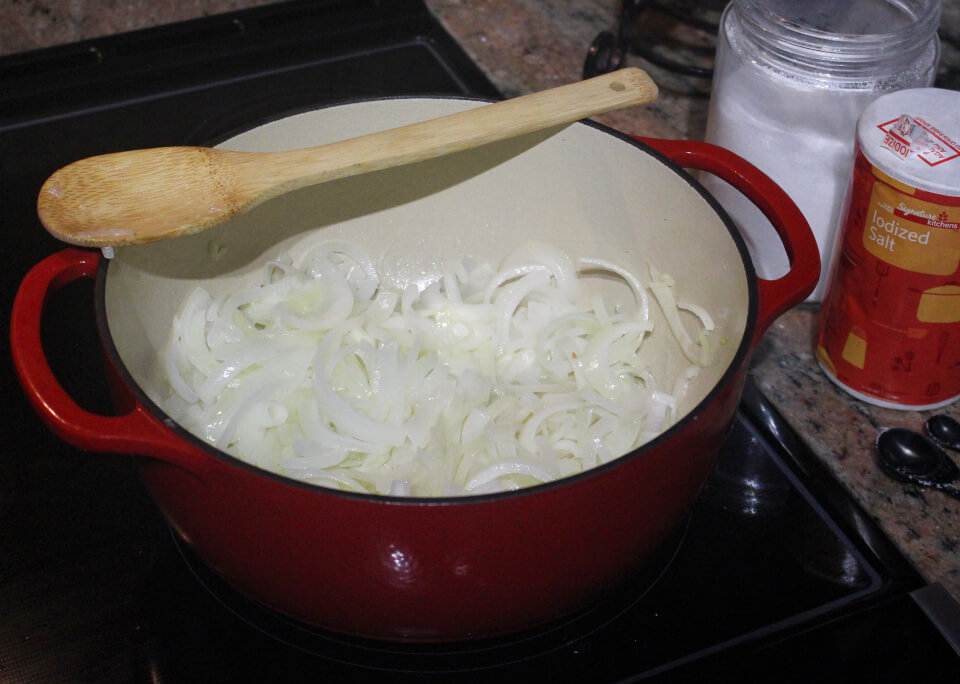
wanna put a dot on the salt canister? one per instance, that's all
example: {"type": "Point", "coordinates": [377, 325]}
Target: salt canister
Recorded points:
{"type": "Point", "coordinates": [889, 328]}
{"type": "Point", "coordinates": [790, 80]}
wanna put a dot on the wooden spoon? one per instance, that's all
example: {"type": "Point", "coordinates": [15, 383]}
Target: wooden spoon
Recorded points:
{"type": "Point", "coordinates": [140, 196]}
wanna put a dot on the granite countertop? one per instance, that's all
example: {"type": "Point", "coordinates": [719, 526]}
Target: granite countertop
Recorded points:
{"type": "Point", "coordinates": [526, 45]}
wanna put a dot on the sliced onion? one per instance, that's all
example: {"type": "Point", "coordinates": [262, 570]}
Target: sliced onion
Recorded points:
{"type": "Point", "coordinates": [483, 380]}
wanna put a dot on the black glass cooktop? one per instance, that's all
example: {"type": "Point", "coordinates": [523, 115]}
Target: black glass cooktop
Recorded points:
{"type": "Point", "coordinates": [777, 575]}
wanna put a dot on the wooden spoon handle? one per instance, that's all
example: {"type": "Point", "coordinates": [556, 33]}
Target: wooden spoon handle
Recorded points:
{"type": "Point", "coordinates": [141, 196]}
{"type": "Point", "coordinates": [464, 130]}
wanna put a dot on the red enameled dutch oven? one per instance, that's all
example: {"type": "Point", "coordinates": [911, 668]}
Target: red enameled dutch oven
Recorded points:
{"type": "Point", "coordinates": [447, 568]}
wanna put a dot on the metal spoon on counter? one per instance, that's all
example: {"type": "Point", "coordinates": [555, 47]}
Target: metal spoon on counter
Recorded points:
{"type": "Point", "coordinates": [139, 196]}
{"type": "Point", "coordinates": [908, 456]}
{"type": "Point", "coordinates": [944, 430]}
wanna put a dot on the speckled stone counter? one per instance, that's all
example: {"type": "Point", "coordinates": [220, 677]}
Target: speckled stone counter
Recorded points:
{"type": "Point", "coordinates": [841, 430]}
{"type": "Point", "coordinates": [526, 45]}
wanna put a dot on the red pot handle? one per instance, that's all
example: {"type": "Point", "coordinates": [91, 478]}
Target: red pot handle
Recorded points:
{"type": "Point", "coordinates": [135, 432]}
{"type": "Point", "coordinates": [776, 296]}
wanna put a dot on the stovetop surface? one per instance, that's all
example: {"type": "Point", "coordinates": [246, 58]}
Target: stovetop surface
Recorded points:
{"type": "Point", "coordinates": [776, 569]}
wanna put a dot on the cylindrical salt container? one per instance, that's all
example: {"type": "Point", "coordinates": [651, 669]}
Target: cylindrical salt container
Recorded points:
{"type": "Point", "coordinates": [889, 329]}
{"type": "Point", "coordinates": [790, 80]}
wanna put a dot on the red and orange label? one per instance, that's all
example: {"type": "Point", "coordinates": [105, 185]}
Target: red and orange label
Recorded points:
{"type": "Point", "coordinates": [890, 321]}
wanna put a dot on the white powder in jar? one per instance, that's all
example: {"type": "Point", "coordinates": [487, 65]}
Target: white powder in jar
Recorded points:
{"type": "Point", "coordinates": [794, 114]}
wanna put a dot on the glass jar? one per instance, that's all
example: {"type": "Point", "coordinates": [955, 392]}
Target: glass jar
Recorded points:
{"type": "Point", "coordinates": [791, 79]}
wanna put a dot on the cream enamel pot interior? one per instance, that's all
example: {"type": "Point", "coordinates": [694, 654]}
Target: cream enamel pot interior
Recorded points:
{"type": "Point", "coordinates": [432, 569]}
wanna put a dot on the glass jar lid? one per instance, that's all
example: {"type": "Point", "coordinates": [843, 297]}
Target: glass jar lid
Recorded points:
{"type": "Point", "coordinates": [846, 38]}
